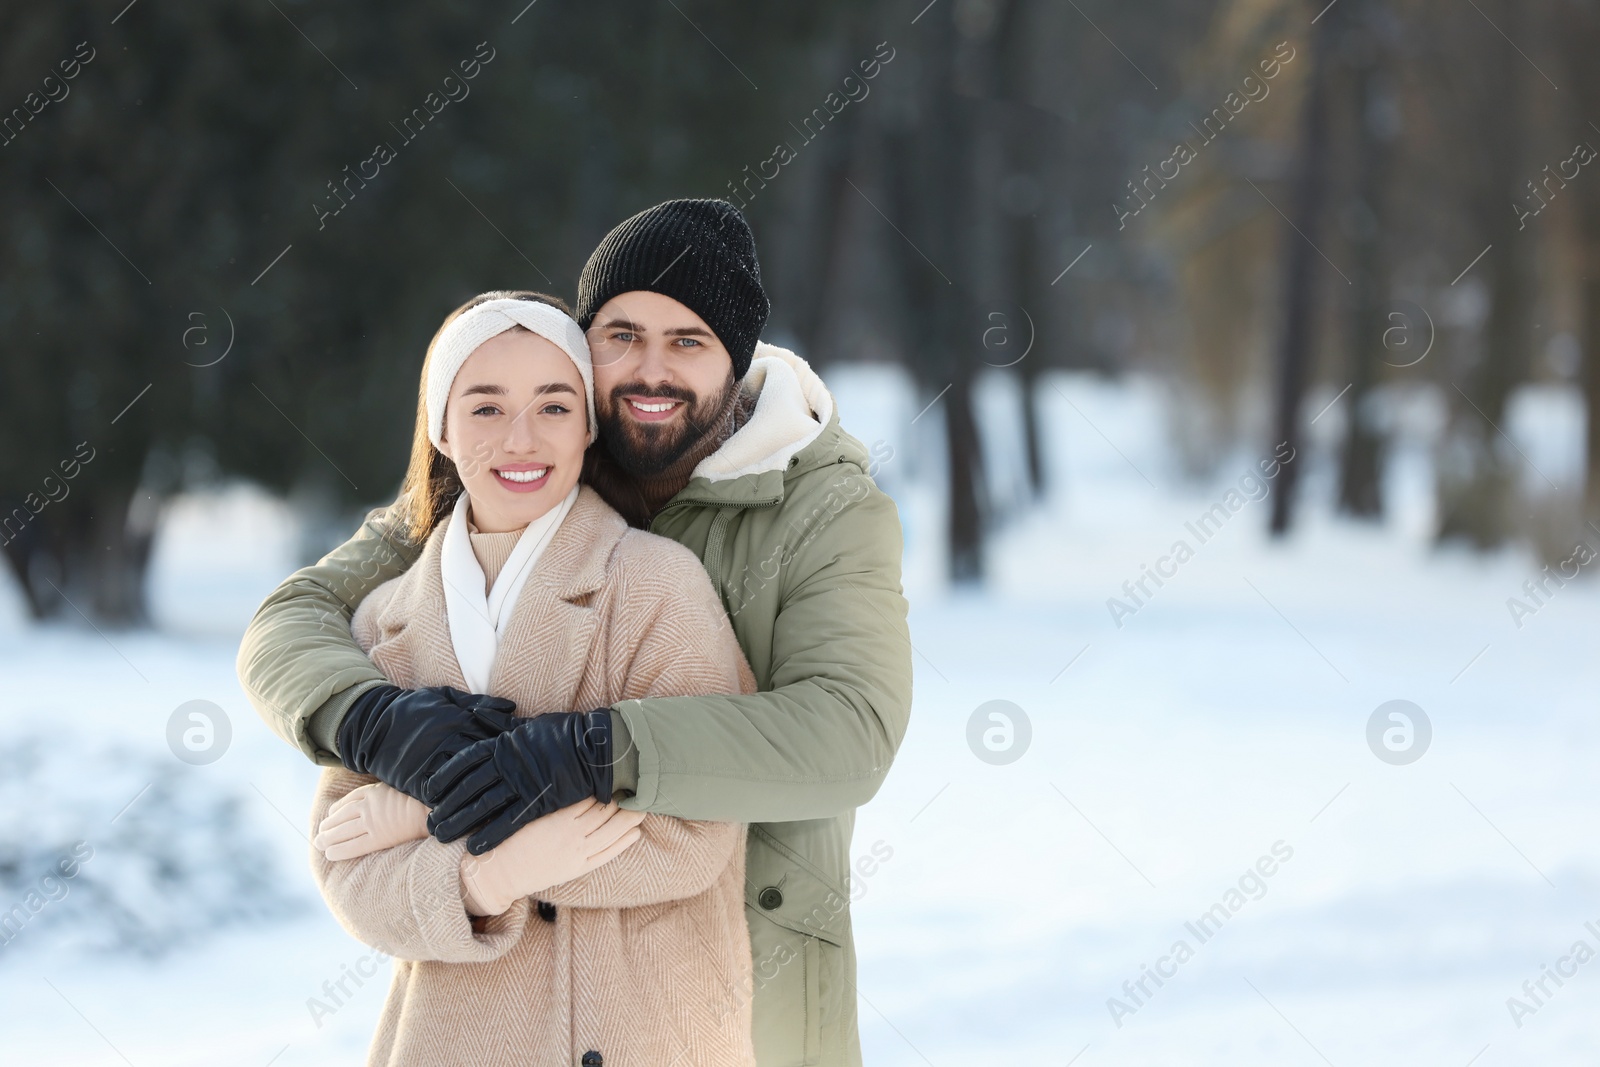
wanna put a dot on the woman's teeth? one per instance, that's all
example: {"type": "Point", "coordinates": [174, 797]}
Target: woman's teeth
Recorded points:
{"type": "Point", "coordinates": [523, 476]}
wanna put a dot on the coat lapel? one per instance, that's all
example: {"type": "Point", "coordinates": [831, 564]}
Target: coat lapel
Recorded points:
{"type": "Point", "coordinates": [547, 646]}
{"type": "Point", "coordinates": [551, 643]}
{"type": "Point", "coordinates": [414, 645]}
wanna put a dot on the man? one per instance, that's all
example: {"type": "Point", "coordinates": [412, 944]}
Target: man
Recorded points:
{"type": "Point", "coordinates": [732, 448]}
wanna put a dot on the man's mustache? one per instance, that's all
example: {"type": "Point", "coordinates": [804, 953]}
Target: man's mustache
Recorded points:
{"type": "Point", "coordinates": [657, 392]}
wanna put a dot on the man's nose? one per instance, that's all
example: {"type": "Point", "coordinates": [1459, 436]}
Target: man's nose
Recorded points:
{"type": "Point", "coordinates": [654, 367]}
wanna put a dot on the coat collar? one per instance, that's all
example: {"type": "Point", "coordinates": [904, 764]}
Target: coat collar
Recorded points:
{"type": "Point", "coordinates": [551, 632]}
{"type": "Point", "coordinates": [574, 563]}
{"type": "Point", "coordinates": [551, 617]}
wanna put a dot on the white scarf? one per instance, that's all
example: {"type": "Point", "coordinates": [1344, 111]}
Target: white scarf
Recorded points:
{"type": "Point", "coordinates": [478, 620]}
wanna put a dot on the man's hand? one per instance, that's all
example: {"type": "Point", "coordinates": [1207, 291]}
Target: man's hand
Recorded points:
{"type": "Point", "coordinates": [401, 736]}
{"type": "Point", "coordinates": [494, 787]}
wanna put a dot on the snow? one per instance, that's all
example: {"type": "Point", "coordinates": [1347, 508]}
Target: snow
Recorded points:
{"type": "Point", "coordinates": [1226, 715]}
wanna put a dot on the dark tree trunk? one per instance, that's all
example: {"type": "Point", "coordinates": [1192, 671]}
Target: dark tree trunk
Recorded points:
{"type": "Point", "coordinates": [1032, 286]}
{"type": "Point", "coordinates": [1360, 493]}
{"type": "Point", "coordinates": [822, 250]}
{"type": "Point", "coordinates": [1476, 506]}
{"type": "Point", "coordinates": [1580, 44]}
{"type": "Point", "coordinates": [965, 456]}
{"type": "Point", "coordinates": [1591, 367]}
{"type": "Point", "coordinates": [1030, 427]}
{"type": "Point", "coordinates": [1477, 476]}
{"type": "Point", "coordinates": [929, 160]}
{"type": "Point", "coordinates": [86, 558]}
{"type": "Point", "coordinates": [1026, 135]}
{"type": "Point", "coordinates": [20, 544]}
{"type": "Point", "coordinates": [1300, 284]}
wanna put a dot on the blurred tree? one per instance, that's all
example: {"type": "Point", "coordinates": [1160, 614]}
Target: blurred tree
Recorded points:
{"type": "Point", "coordinates": [230, 234]}
{"type": "Point", "coordinates": [212, 182]}
{"type": "Point", "coordinates": [990, 162]}
{"type": "Point", "coordinates": [120, 220]}
{"type": "Point", "coordinates": [1301, 259]}
{"type": "Point", "coordinates": [1480, 84]}
{"type": "Point", "coordinates": [1365, 53]}
{"type": "Point", "coordinates": [931, 188]}
{"type": "Point", "coordinates": [1215, 225]}
{"type": "Point", "coordinates": [1580, 43]}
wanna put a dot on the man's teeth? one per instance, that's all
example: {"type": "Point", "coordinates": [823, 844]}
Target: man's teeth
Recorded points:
{"type": "Point", "coordinates": [523, 476]}
{"type": "Point", "coordinates": [662, 405]}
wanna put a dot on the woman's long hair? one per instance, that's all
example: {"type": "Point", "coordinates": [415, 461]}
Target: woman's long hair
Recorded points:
{"type": "Point", "coordinates": [432, 482]}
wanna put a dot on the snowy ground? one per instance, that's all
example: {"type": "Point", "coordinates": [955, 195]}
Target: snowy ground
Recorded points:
{"type": "Point", "coordinates": [1224, 718]}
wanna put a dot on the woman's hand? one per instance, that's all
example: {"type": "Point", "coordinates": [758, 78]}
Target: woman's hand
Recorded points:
{"type": "Point", "coordinates": [556, 848]}
{"type": "Point", "coordinates": [370, 819]}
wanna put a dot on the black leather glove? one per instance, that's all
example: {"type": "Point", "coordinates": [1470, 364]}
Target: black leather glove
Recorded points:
{"type": "Point", "coordinates": [493, 788]}
{"type": "Point", "coordinates": [400, 736]}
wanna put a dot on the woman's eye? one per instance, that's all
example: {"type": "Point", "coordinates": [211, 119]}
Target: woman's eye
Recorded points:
{"type": "Point", "coordinates": [553, 409]}
{"type": "Point", "coordinates": [485, 409]}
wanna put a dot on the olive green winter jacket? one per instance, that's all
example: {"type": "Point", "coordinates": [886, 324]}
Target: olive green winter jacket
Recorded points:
{"type": "Point", "coordinates": [805, 552]}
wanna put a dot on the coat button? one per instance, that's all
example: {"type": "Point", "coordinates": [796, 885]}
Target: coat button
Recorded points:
{"type": "Point", "coordinates": [591, 1059]}
{"type": "Point", "coordinates": [771, 898]}
{"type": "Point", "coordinates": [547, 911]}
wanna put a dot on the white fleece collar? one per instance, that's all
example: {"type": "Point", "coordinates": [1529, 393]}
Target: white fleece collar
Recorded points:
{"type": "Point", "coordinates": [477, 619]}
{"type": "Point", "coordinates": [792, 409]}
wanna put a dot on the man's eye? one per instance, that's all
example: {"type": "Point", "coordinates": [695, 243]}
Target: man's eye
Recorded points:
{"type": "Point", "coordinates": [688, 342]}
{"type": "Point", "coordinates": [625, 338]}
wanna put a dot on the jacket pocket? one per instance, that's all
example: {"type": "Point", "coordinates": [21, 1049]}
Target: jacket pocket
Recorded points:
{"type": "Point", "coordinates": [784, 887]}
{"type": "Point", "coordinates": [786, 1015]}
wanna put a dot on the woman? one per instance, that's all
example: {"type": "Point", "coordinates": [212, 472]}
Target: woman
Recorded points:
{"type": "Point", "coordinates": [593, 935]}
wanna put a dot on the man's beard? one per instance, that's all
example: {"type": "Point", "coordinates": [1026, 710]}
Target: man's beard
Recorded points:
{"type": "Point", "coordinates": [646, 449]}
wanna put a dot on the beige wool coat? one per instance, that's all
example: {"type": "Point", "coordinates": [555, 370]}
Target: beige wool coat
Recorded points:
{"type": "Point", "coordinates": [645, 960]}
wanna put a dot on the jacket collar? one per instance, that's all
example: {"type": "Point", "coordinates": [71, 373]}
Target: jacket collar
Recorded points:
{"type": "Point", "coordinates": [792, 409]}
{"type": "Point", "coordinates": [798, 433]}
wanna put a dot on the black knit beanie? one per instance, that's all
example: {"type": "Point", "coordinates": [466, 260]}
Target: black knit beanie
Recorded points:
{"type": "Point", "coordinates": [701, 253]}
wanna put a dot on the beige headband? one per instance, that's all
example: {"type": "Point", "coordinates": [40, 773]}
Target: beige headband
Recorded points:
{"type": "Point", "coordinates": [490, 319]}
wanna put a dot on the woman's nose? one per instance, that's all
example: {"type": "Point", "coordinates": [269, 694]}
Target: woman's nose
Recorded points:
{"type": "Point", "coordinates": [523, 434]}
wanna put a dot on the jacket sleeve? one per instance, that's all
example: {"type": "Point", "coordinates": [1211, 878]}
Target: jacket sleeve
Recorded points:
{"type": "Point", "coordinates": [407, 900]}
{"type": "Point", "coordinates": [819, 741]}
{"type": "Point", "coordinates": [298, 662]}
{"type": "Point", "coordinates": [686, 648]}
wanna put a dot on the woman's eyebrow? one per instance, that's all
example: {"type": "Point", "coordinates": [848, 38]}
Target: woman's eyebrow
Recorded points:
{"type": "Point", "coordinates": [500, 390]}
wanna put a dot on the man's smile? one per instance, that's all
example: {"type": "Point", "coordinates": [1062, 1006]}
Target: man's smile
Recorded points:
{"type": "Point", "coordinates": [652, 408]}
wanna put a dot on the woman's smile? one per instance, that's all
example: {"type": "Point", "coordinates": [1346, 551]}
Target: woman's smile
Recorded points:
{"type": "Point", "coordinates": [523, 477]}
